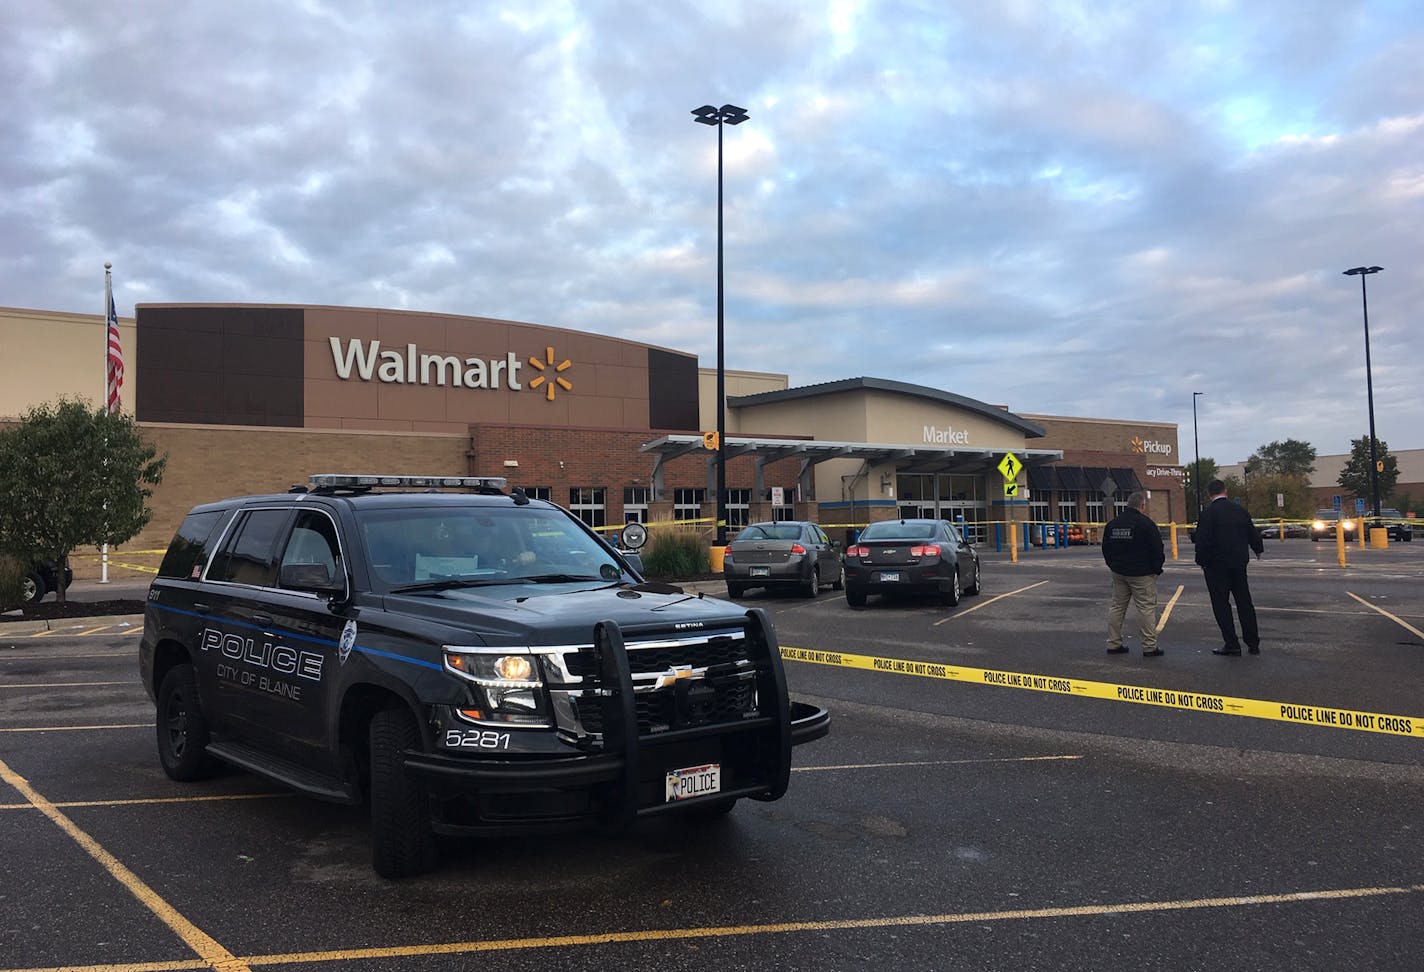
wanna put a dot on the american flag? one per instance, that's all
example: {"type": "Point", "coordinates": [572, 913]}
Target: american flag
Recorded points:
{"type": "Point", "coordinates": [114, 356]}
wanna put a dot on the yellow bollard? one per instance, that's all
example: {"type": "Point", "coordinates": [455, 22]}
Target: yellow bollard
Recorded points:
{"type": "Point", "coordinates": [1281, 525]}
{"type": "Point", "coordinates": [716, 555]}
{"type": "Point", "coordinates": [1172, 531]}
{"type": "Point", "coordinates": [1013, 543]}
{"type": "Point", "coordinates": [1340, 541]}
{"type": "Point", "coordinates": [1379, 538]}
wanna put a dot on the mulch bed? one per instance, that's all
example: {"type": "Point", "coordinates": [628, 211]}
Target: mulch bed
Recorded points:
{"type": "Point", "coordinates": [51, 610]}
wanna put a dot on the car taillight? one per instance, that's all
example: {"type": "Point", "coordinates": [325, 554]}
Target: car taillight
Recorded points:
{"type": "Point", "coordinates": [927, 550]}
{"type": "Point", "coordinates": [797, 549]}
{"type": "Point", "coordinates": [857, 551]}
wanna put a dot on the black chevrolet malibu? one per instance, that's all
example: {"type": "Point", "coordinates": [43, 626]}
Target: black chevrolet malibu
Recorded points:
{"type": "Point", "coordinates": [911, 557]}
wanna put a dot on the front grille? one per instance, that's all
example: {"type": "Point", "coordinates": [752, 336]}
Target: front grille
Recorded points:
{"type": "Point", "coordinates": [648, 654]}
{"type": "Point", "coordinates": [670, 709]}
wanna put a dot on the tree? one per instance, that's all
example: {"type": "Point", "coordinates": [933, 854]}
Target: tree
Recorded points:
{"type": "Point", "coordinates": [72, 477]}
{"type": "Point", "coordinates": [1209, 471]}
{"type": "Point", "coordinates": [1355, 477]}
{"type": "Point", "coordinates": [1289, 458]}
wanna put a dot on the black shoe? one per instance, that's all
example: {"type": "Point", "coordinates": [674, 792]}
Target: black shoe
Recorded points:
{"type": "Point", "coordinates": [1152, 653]}
{"type": "Point", "coordinates": [1226, 650]}
{"type": "Point", "coordinates": [1119, 650]}
{"type": "Point", "coordinates": [1254, 649]}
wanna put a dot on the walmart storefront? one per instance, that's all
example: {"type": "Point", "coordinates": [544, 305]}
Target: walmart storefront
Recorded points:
{"type": "Point", "coordinates": [253, 398]}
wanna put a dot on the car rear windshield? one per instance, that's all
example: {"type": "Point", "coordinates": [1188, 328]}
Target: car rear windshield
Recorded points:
{"type": "Point", "coordinates": [771, 531]}
{"type": "Point", "coordinates": [897, 530]}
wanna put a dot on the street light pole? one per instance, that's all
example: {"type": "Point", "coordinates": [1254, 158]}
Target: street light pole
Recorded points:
{"type": "Point", "coordinates": [1362, 273]}
{"type": "Point", "coordinates": [1196, 442]}
{"type": "Point", "coordinates": [728, 115]}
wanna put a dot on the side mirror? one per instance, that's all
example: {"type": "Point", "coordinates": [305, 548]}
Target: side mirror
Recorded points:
{"type": "Point", "coordinates": [314, 578]}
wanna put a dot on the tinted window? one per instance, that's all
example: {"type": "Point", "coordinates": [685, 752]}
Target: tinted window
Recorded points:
{"type": "Point", "coordinates": [189, 551]}
{"type": "Point", "coordinates": [771, 531]}
{"type": "Point", "coordinates": [313, 541]}
{"type": "Point", "coordinates": [899, 530]}
{"type": "Point", "coordinates": [250, 554]}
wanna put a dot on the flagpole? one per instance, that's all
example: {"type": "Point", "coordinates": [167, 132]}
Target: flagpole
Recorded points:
{"type": "Point", "coordinates": [108, 302]}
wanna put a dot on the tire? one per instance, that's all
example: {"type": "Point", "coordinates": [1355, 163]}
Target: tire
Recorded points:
{"type": "Point", "coordinates": [402, 843]}
{"type": "Point", "coordinates": [976, 585]}
{"type": "Point", "coordinates": [813, 585]}
{"type": "Point", "coordinates": [854, 598]}
{"type": "Point", "coordinates": [950, 598]}
{"type": "Point", "coordinates": [182, 727]}
{"type": "Point", "coordinates": [735, 591]}
{"type": "Point", "coordinates": [839, 583]}
{"type": "Point", "coordinates": [32, 590]}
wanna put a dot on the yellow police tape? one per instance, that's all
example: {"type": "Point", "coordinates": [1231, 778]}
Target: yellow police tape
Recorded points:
{"type": "Point", "coordinates": [1298, 713]}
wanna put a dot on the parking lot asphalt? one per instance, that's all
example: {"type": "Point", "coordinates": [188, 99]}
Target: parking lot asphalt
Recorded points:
{"type": "Point", "coordinates": [945, 823]}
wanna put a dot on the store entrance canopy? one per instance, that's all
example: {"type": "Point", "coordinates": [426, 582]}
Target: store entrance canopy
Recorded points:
{"type": "Point", "coordinates": [906, 459]}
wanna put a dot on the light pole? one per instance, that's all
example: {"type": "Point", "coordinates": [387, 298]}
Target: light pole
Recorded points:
{"type": "Point", "coordinates": [726, 115]}
{"type": "Point", "coordinates": [1362, 273]}
{"type": "Point", "coordinates": [1196, 442]}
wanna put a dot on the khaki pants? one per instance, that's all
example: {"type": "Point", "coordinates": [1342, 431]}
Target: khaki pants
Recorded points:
{"type": "Point", "coordinates": [1143, 593]}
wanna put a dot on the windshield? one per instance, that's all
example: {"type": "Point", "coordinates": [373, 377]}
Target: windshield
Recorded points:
{"type": "Point", "coordinates": [771, 531]}
{"type": "Point", "coordinates": [481, 545]}
{"type": "Point", "coordinates": [898, 530]}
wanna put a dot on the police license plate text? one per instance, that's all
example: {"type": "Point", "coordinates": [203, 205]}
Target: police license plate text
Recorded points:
{"type": "Point", "coordinates": [694, 781]}
{"type": "Point", "coordinates": [889, 575]}
{"type": "Point", "coordinates": [761, 571]}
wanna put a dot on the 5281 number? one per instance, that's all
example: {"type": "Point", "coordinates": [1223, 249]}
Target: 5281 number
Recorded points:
{"type": "Point", "coordinates": [476, 739]}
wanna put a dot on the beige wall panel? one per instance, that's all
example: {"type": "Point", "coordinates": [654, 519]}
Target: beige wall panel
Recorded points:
{"type": "Point", "coordinates": [635, 413]}
{"type": "Point", "coordinates": [347, 323]}
{"type": "Point", "coordinates": [615, 381]}
{"type": "Point", "coordinates": [377, 425]}
{"type": "Point", "coordinates": [448, 428]}
{"type": "Point", "coordinates": [737, 383]}
{"type": "Point", "coordinates": [477, 337]}
{"type": "Point", "coordinates": [48, 355]}
{"type": "Point", "coordinates": [425, 403]}
{"type": "Point", "coordinates": [1111, 435]}
{"type": "Point", "coordinates": [833, 418]}
{"type": "Point", "coordinates": [901, 419]}
{"type": "Point", "coordinates": [396, 329]}
{"type": "Point", "coordinates": [340, 399]}
{"type": "Point", "coordinates": [603, 413]}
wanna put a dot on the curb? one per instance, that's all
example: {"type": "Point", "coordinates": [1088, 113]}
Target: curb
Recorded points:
{"type": "Point", "coordinates": [61, 626]}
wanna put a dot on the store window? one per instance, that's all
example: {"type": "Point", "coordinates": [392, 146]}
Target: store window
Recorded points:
{"type": "Point", "coordinates": [587, 503]}
{"type": "Point", "coordinates": [545, 493]}
{"type": "Point", "coordinates": [1067, 507]}
{"type": "Point", "coordinates": [687, 503]}
{"type": "Point", "coordinates": [635, 503]}
{"type": "Point", "coordinates": [739, 503]}
{"type": "Point", "coordinates": [1095, 510]}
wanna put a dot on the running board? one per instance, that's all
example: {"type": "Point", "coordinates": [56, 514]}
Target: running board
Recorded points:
{"type": "Point", "coordinates": [299, 778]}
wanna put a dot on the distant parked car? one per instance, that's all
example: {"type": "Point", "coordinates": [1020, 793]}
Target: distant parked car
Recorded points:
{"type": "Point", "coordinates": [911, 557]}
{"type": "Point", "coordinates": [41, 580]}
{"type": "Point", "coordinates": [1396, 526]}
{"type": "Point", "coordinates": [789, 555]}
{"type": "Point", "coordinates": [1272, 531]}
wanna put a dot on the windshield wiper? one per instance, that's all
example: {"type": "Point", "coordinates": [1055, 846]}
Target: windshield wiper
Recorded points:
{"type": "Point", "coordinates": [450, 583]}
{"type": "Point", "coordinates": [556, 578]}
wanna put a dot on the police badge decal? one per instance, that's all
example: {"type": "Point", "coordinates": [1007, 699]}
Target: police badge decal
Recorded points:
{"type": "Point", "coordinates": [348, 641]}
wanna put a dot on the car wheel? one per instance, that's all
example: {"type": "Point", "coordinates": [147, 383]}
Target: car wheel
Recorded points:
{"type": "Point", "coordinates": [839, 583]}
{"type": "Point", "coordinates": [854, 598]}
{"type": "Point", "coordinates": [950, 598]}
{"type": "Point", "coordinates": [735, 591]}
{"type": "Point", "coordinates": [402, 843]}
{"type": "Point", "coordinates": [32, 591]}
{"type": "Point", "coordinates": [974, 586]}
{"type": "Point", "coordinates": [813, 583]}
{"type": "Point", "coordinates": [182, 727]}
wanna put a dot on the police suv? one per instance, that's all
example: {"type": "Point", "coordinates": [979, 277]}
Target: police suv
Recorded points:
{"type": "Point", "coordinates": [469, 663]}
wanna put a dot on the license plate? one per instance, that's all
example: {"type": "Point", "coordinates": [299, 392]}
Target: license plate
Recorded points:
{"type": "Point", "coordinates": [693, 781]}
{"type": "Point", "coordinates": [761, 571]}
{"type": "Point", "coordinates": [889, 575]}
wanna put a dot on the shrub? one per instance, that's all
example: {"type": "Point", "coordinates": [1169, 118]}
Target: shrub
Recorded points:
{"type": "Point", "coordinates": [675, 555]}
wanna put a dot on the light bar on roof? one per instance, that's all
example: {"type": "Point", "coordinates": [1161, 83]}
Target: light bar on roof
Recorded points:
{"type": "Point", "coordinates": [356, 481]}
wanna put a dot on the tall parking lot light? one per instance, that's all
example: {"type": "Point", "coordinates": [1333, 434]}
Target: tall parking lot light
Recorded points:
{"type": "Point", "coordinates": [1196, 442]}
{"type": "Point", "coordinates": [726, 115]}
{"type": "Point", "coordinates": [1362, 273]}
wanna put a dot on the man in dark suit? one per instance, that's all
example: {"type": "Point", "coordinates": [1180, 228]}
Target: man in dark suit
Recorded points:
{"type": "Point", "coordinates": [1225, 539]}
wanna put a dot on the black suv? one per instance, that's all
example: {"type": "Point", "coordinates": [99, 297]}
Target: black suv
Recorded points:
{"type": "Point", "coordinates": [1396, 526]}
{"type": "Point", "coordinates": [470, 663]}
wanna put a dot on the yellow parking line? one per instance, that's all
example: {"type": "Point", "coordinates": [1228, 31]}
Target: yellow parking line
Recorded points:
{"type": "Point", "coordinates": [69, 632]}
{"type": "Point", "coordinates": [1167, 611]}
{"type": "Point", "coordinates": [1393, 617]}
{"type": "Point", "coordinates": [777, 928]}
{"type": "Point", "coordinates": [925, 762]}
{"type": "Point", "coordinates": [983, 604]}
{"type": "Point", "coordinates": [140, 802]}
{"type": "Point", "coordinates": [207, 948]}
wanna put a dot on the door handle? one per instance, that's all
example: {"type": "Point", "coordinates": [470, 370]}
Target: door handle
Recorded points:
{"type": "Point", "coordinates": [263, 619]}
{"type": "Point", "coordinates": [202, 608]}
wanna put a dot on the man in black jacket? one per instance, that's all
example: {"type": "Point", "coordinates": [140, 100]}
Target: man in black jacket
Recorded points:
{"type": "Point", "coordinates": [1132, 548]}
{"type": "Point", "coordinates": [1224, 540]}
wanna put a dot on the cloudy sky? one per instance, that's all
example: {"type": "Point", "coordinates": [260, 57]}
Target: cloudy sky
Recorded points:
{"type": "Point", "coordinates": [1087, 208]}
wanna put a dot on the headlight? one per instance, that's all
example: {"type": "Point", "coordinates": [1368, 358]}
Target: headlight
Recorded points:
{"type": "Point", "coordinates": [1348, 524]}
{"type": "Point", "coordinates": [1318, 525]}
{"type": "Point", "coordinates": [507, 686]}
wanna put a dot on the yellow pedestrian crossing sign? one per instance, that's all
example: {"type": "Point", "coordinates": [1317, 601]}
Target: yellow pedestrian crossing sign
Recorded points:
{"type": "Point", "coordinates": [1010, 467]}
{"type": "Point", "coordinates": [1011, 490]}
